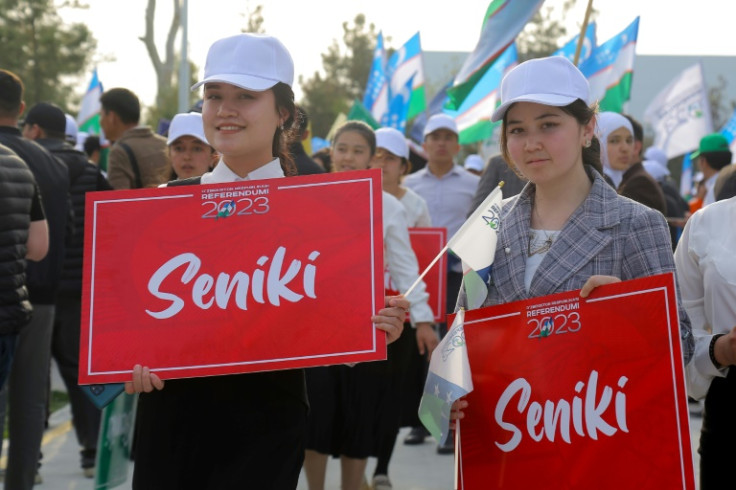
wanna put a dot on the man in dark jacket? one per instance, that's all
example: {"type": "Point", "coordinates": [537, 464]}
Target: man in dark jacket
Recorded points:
{"type": "Point", "coordinates": [25, 236]}
{"type": "Point", "coordinates": [29, 374]}
{"type": "Point", "coordinates": [45, 124]}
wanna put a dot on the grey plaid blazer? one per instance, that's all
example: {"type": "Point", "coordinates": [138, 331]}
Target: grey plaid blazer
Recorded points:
{"type": "Point", "coordinates": [608, 235]}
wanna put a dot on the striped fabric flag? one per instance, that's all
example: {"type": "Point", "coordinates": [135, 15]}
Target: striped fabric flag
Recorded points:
{"type": "Point", "coordinates": [404, 65]}
{"type": "Point", "coordinates": [435, 107]}
{"type": "Point", "coordinates": [359, 112]}
{"type": "Point", "coordinates": [729, 131]}
{"type": "Point", "coordinates": [448, 380]}
{"type": "Point", "coordinates": [475, 244]}
{"type": "Point", "coordinates": [473, 118]}
{"type": "Point", "coordinates": [88, 119]}
{"type": "Point", "coordinates": [680, 113]}
{"type": "Point", "coordinates": [610, 69]}
{"type": "Point", "coordinates": [589, 44]}
{"type": "Point", "coordinates": [399, 107]}
{"type": "Point", "coordinates": [503, 21]}
{"type": "Point", "coordinates": [376, 89]}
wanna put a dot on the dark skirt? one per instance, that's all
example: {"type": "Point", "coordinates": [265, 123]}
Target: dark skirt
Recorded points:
{"type": "Point", "coordinates": [239, 431]}
{"type": "Point", "coordinates": [354, 410]}
{"type": "Point", "coordinates": [718, 433]}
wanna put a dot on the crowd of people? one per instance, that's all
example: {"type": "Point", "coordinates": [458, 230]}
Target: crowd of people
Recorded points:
{"type": "Point", "coordinates": [578, 188]}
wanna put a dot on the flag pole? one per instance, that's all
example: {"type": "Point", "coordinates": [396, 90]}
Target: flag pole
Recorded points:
{"type": "Point", "coordinates": [581, 38]}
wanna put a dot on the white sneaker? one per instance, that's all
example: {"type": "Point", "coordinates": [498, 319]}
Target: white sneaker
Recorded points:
{"type": "Point", "coordinates": [381, 482]}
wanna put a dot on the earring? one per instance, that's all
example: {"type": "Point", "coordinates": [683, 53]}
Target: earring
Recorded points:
{"type": "Point", "coordinates": [587, 144]}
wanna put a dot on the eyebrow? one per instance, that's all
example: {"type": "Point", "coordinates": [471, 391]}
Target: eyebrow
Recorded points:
{"type": "Point", "coordinates": [541, 116]}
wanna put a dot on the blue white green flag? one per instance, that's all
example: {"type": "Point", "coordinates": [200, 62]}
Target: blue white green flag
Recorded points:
{"type": "Point", "coordinates": [88, 119]}
{"type": "Point", "coordinates": [404, 65]}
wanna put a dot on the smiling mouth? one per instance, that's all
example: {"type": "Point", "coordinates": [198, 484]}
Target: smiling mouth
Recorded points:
{"type": "Point", "coordinates": [229, 128]}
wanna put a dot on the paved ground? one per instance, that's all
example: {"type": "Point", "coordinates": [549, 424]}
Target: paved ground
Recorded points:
{"type": "Point", "coordinates": [412, 468]}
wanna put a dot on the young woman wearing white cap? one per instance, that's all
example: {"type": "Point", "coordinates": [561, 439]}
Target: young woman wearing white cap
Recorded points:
{"type": "Point", "coordinates": [568, 229]}
{"type": "Point", "coordinates": [190, 153]}
{"type": "Point", "coordinates": [247, 430]}
{"type": "Point", "coordinates": [355, 410]}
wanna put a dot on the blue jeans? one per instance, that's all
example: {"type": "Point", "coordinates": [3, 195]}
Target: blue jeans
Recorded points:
{"type": "Point", "coordinates": [7, 349]}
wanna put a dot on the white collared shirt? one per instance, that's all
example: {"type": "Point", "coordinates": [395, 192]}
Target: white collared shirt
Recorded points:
{"type": "Point", "coordinates": [706, 273]}
{"type": "Point", "coordinates": [222, 173]}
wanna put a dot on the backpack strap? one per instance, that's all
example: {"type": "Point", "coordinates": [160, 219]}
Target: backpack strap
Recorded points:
{"type": "Point", "coordinates": [133, 164]}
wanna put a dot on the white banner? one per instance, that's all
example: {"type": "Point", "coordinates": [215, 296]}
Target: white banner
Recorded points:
{"type": "Point", "coordinates": [680, 114]}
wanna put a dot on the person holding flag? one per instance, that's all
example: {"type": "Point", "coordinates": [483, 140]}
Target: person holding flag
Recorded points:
{"type": "Point", "coordinates": [567, 229]}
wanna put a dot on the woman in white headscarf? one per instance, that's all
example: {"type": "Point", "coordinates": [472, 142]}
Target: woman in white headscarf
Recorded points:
{"type": "Point", "coordinates": [616, 136]}
{"type": "Point", "coordinates": [622, 165]}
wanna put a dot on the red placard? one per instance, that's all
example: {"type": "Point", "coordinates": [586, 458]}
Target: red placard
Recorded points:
{"type": "Point", "coordinates": [572, 393]}
{"type": "Point", "coordinates": [427, 243]}
{"type": "Point", "coordinates": [231, 278]}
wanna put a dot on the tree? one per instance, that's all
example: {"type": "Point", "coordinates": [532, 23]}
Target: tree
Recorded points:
{"type": "Point", "coordinates": [48, 55]}
{"type": "Point", "coordinates": [254, 22]}
{"type": "Point", "coordinates": [345, 75]}
{"type": "Point", "coordinates": [167, 98]}
{"type": "Point", "coordinates": [164, 68]}
{"type": "Point", "coordinates": [545, 33]}
{"type": "Point", "coordinates": [720, 109]}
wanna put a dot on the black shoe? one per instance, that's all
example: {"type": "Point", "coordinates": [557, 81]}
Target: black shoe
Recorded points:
{"type": "Point", "coordinates": [449, 446]}
{"type": "Point", "coordinates": [416, 436]}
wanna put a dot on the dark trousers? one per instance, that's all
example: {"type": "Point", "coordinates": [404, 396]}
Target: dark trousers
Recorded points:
{"type": "Point", "coordinates": [65, 350]}
{"type": "Point", "coordinates": [718, 434]}
{"type": "Point", "coordinates": [7, 349]}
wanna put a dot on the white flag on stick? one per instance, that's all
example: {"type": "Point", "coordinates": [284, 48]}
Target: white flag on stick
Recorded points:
{"type": "Point", "coordinates": [680, 114]}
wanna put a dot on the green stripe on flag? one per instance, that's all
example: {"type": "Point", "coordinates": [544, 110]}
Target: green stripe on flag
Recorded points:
{"type": "Point", "coordinates": [480, 131]}
{"type": "Point", "coordinates": [431, 404]}
{"type": "Point", "coordinates": [418, 102]}
{"type": "Point", "coordinates": [618, 94]}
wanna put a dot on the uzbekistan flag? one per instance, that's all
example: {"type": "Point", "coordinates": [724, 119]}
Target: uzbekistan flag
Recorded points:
{"type": "Point", "coordinates": [88, 119]}
{"type": "Point", "coordinates": [610, 69]}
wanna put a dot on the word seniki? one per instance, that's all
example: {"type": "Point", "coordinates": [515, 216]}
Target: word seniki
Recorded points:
{"type": "Point", "coordinates": [274, 282]}
{"type": "Point", "coordinates": [586, 415]}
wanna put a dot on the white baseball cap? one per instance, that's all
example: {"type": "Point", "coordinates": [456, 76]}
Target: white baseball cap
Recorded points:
{"type": "Point", "coordinates": [392, 140]}
{"type": "Point", "coordinates": [187, 124]}
{"type": "Point", "coordinates": [440, 121]}
{"type": "Point", "coordinates": [551, 81]}
{"type": "Point", "coordinates": [70, 130]}
{"type": "Point", "coordinates": [250, 61]}
{"type": "Point", "coordinates": [474, 162]}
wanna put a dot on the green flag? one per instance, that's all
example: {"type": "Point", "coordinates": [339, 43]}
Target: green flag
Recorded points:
{"type": "Point", "coordinates": [360, 113]}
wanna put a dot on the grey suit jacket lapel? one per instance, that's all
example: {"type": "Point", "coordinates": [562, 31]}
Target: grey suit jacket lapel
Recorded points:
{"type": "Point", "coordinates": [509, 267]}
{"type": "Point", "coordinates": [580, 241]}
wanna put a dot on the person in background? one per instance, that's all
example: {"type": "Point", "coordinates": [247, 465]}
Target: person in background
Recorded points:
{"type": "Point", "coordinates": [354, 410]}
{"type": "Point", "coordinates": [24, 226]}
{"type": "Point", "coordinates": [138, 158]}
{"type": "Point", "coordinates": [71, 131]}
{"type": "Point", "coordinates": [241, 430]}
{"type": "Point", "coordinates": [92, 148]}
{"type": "Point", "coordinates": [48, 130]}
{"type": "Point", "coordinates": [497, 171]}
{"type": "Point", "coordinates": [323, 159]}
{"type": "Point", "coordinates": [408, 356]}
{"type": "Point", "coordinates": [712, 155]}
{"type": "Point", "coordinates": [474, 164]}
{"type": "Point", "coordinates": [448, 190]}
{"type": "Point", "coordinates": [728, 189]}
{"type": "Point", "coordinates": [724, 175]}
{"type": "Point", "coordinates": [27, 386]}
{"type": "Point", "coordinates": [678, 209]}
{"type": "Point", "coordinates": [190, 153]}
{"type": "Point", "coordinates": [706, 272]}
{"type": "Point", "coordinates": [616, 136]}
{"type": "Point", "coordinates": [304, 164]}
{"type": "Point", "coordinates": [566, 214]}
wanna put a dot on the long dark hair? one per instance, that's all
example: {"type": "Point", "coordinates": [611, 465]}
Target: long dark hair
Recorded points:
{"type": "Point", "coordinates": [583, 113]}
{"type": "Point", "coordinates": [280, 148]}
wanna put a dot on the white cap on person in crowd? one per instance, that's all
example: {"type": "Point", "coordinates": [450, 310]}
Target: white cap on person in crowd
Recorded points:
{"type": "Point", "coordinates": [474, 162]}
{"type": "Point", "coordinates": [187, 124]}
{"type": "Point", "coordinates": [249, 61]}
{"type": "Point", "coordinates": [392, 140]}
{"type": "Point", "coordinates": [551, 81]}
{"type": "Point", "coordinates": [70, 130]}
{"type": "Point", "coordinates": [655, 154]}
{"type": "Point", "coordinates": [440, 121]}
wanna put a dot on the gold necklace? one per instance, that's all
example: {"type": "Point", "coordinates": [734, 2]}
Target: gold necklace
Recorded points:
{"type": "Point", "coordinates": [536, 245]}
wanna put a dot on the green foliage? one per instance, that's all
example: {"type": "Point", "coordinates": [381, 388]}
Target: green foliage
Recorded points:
{"type": "Point", "coordinates": [345, 75]}
{"type": "Point", "coordinates": [720, 108]}
{"type": "Point", "coordinates": [43, 51]}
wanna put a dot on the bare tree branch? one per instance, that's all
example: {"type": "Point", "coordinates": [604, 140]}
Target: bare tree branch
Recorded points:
{"type": "Point", "coordinates": [148, 37]}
